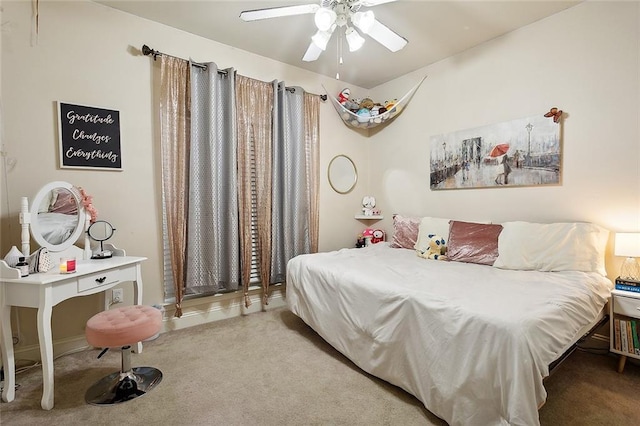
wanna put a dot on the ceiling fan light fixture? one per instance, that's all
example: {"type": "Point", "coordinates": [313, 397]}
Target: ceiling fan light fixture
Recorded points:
{"type": "Point", "coordinates": [321, 38]}
{"type": "Point", "coordinates": [364, 20]}
{"type": "Point", "coordinates": [354, 39]}
{"type": "Point", "coordinates": [324, 19]}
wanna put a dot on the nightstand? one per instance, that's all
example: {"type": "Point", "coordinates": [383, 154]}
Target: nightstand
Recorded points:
{"type": "Point", "coordinates": [624, 325]}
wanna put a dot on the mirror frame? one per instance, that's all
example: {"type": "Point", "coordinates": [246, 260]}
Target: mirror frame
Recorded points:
{"type": "Point", "coordinates": [355, 174]}
{"type": "Point", "coordinates": [107, 237]}
{"type": "Point", "coordinates": [35, 225]}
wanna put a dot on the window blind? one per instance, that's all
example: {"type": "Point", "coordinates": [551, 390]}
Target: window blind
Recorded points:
{"type": "Point", "coordinates": [169, 289]}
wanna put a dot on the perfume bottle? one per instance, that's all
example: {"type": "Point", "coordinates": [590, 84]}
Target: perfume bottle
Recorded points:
{"type": "Point", "coordinates": [23, 266]}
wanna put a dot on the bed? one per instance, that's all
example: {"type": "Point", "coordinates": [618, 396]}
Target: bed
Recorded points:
{"type": "Point", "coordinates": [472, 340]}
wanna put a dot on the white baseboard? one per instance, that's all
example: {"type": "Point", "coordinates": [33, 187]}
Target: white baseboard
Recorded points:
{"type": "Point", "coordinates": [219, 307]}
{"type": "Point", "coordinates": [194, 312]}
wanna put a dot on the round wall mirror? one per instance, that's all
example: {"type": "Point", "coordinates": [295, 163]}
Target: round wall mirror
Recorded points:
{"type": "Point", "coordinates": [342, 174]}
{"type": "Point", "coordinates": [101, 231]}
{"type": "Point", "coordinates": [57, 216]}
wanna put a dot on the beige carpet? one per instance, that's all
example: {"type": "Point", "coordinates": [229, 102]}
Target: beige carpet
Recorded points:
{"type": "Point", "coordinates": [269, 368]}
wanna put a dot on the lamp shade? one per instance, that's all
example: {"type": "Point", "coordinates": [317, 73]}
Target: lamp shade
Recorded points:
{"type": "Point", "coordinates": [627, 244]}
{"type": "Point", "coordinates": [354, 39]}
{"type": "Point", "coordinates": [324, 19]}
{"type": "Point", "coordinates": [364, 20]}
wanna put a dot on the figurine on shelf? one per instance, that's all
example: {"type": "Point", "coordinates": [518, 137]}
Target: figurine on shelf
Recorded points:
{"type": "Point", "coordinates": [368, 203]}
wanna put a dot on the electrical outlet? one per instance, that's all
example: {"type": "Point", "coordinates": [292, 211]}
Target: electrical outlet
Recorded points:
{"type": "Point", "coordinates": [117, 295]}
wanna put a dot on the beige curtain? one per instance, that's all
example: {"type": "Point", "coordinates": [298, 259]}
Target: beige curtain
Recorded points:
{"type": "Point", "coordinates": [312, 147]}
{"type": "Point", "coordinates": [175, 107]}
{"type": "Point", "coordinates": [254, 105]}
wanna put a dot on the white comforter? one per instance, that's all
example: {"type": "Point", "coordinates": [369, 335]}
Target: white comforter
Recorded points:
{"type": "Point", "coordinates": [472, 342]}
{"type": "Point", "coordinates": [56, 228]}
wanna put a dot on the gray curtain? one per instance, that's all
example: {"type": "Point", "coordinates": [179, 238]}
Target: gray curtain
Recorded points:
{"type": "Point", "coordinates": [213, 241]}
{"type": "Point", "coordinates": [290, 202]}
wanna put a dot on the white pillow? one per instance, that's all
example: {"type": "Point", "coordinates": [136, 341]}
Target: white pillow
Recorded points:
{"type": "Point", "coordinates": [47, 202]}
{"type": "Point", "coordinates": [429, 226]}
{"type": "Point", "coordinates": [552, 247]}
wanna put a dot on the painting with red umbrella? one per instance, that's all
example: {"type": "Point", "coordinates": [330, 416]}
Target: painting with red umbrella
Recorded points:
{"type": "Point", "coordinates": [521, 152]}
{"type": "Point", "coordinates": [499, 150]}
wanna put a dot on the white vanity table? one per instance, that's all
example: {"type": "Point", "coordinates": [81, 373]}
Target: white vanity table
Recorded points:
{"type": "Point", "coordinates": [45, 290]}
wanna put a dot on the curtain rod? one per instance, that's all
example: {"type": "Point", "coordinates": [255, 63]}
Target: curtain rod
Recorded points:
{"type": "Point", "coordinates": [146, 51]}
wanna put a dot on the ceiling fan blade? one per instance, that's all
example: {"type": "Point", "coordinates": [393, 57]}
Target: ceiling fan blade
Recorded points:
{"type": "Point", "coordinates": [276, 12]}
{"type": "Point", "coordinates": [386, 37]}
{"type": "Point", "coordinates": [370, 3]}
{"type": "Point", "coordinates": [313, 52]}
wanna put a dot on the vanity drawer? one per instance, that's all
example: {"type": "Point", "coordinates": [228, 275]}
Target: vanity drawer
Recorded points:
{"type": "Point", "coordinates": [628, 306]}
{"type": "Point", "coordinates": [101, 279]}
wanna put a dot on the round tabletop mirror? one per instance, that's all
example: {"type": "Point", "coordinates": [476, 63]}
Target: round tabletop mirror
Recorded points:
{"type": "Point", "coordinates": [101, 231]}
{"type": "Point", "coordinates": [57, 216]}
{"type": "Point", "coordinates": [342, 174]}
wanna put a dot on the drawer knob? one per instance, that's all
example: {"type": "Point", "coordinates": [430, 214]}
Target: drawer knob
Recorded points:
{"type": "Point", "coordinates": [101, 280]}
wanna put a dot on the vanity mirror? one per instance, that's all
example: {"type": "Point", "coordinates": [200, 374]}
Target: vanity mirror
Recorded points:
{"type": "Point", "coordinates": [342, 174]}
{"type": "Point", "coordinates": [57, 216]}
{"type": "Point", "coordinates": [101, 231]}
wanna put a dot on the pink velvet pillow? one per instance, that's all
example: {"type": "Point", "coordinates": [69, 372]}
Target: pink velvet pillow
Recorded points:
{"type": "Point", "coordinates": [473, 242]}
{"type": "Point", "coordinates": [405, 231]}
{"type": "Point", "coordinates": [65, 203]}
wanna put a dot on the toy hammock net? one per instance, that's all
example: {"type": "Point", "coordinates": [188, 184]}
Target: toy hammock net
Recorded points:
{"type": "Point", "coordinates": [356, 121]}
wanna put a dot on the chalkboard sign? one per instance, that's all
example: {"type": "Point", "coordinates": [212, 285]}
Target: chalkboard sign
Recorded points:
{"type": "Point", "coordinates": [89, 137]}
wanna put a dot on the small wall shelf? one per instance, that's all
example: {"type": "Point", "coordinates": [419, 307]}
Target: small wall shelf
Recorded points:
{"type": "Point", "coordinates": [363, 217]}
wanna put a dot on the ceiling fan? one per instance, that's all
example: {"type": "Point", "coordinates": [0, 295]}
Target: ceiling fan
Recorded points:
{"type": "Point", "coordinates": [333, 14]}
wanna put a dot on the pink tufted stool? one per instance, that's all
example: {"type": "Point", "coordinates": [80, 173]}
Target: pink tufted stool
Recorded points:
{"type": "Point", "coordinates": [122, 328]}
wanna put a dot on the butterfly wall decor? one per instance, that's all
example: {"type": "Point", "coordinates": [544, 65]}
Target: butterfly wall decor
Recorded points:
{"type": "Point", "coordinates": [555, 113]}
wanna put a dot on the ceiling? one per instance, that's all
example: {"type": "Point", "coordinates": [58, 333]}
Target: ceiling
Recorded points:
{"type": "Point", "coordinates": [435, 30]}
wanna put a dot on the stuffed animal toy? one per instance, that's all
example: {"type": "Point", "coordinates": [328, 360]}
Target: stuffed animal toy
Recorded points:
{"type": "Point", "coordinates": [344, 95]}
{"type": "Point", "coordinates": [351, 105]}
{"type": "Point", "coordinates": [436, 249]}
{"type": "Point", "coordinates": [390, 104]}
{"type": "Point", "coordinates": [367, 236]}
{"type": "Point", "coordinates": [367, 233]}
{"type": "Point", "coordinates": [378, 236]}
{"type": "Point", "coordinates": [368, 203]}
{"type": "Point", "coordinates": [375, 111]}
{"type": "Point", "coordinates": [367, 103]}
{"type": "Point", "coordinates": [363, 115]}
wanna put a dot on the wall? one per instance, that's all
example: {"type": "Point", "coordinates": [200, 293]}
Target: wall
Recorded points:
{"type": "Point", "coordinates": [88, 54]}
{"type": "Point", "coordinates": [584, 60]}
